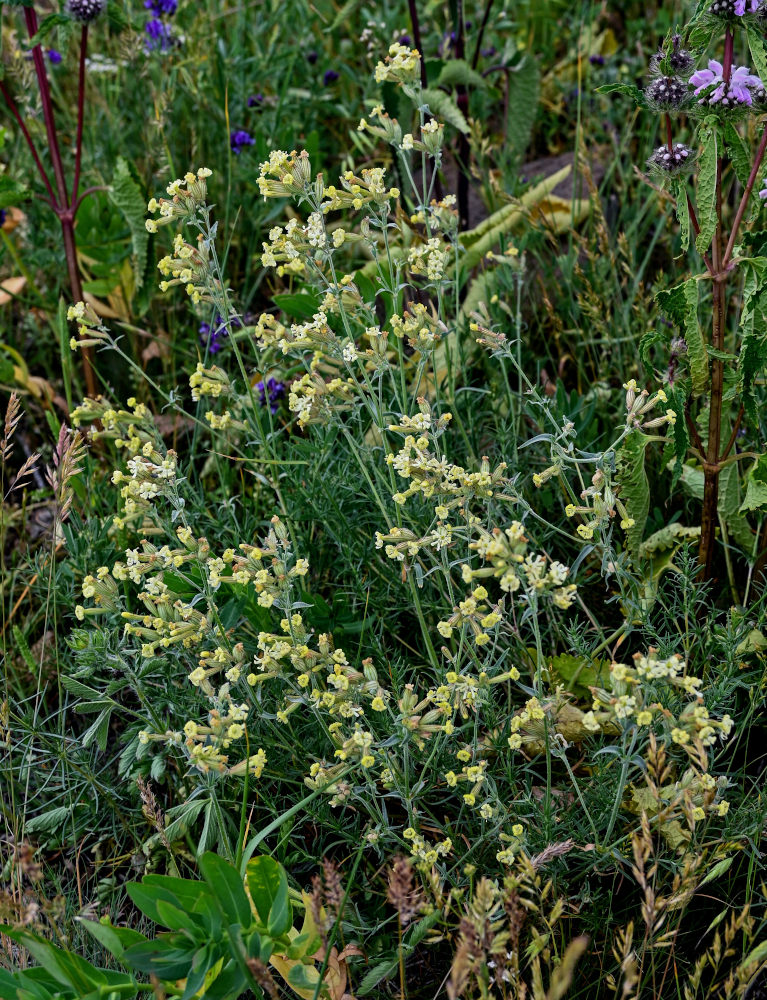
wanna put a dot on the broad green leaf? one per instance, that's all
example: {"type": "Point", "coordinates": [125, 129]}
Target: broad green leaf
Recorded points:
{"type": "Point", "coordinates": [114, 939]}
{"type": "Point", "coordinates": [267, 883]}
{"type": "Point", "coordinates": [168, 956]}
{"type": "Point", "coordinates": [226, 884]}
{"type": "Point", "coordinates": [707, 173]}
{"type": "Point", "coordinates": [46, 27]}
{"type": "Point", "coordinates": [51, 819]}
{"type": "Point", "coordinates": [457, 73]}
{"type": "Point", "coordinates": [11, 191]}
{"type": "Point", "coordinates": [64, 966]}
{"type": "Point", "coordinates": [634, 487]}
{"type": "Point", "coordinates": [444, 108]}
{"type": "Point", "coordinates": [756, 486]}
{"type": "Point", "coordinates": [696, 348]}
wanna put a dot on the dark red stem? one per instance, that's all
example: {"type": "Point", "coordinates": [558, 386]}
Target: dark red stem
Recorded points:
{"type": "Point", "coordinates": [727, 64]}
{"type": "Point", "coordinates": [481, 33]}
{"type": "Point", "coordinates": [80, 112]}
{"type": "Point", "coordinates": [30, 142]}
{"type": "Point", "coordinates": [669, 135]}
{"type": "Point", "coordinates": [416, 26]}
{"type": "Point", "coordinates": [462, 99]}
{"type": "Point", "coordinates": [63, 206]}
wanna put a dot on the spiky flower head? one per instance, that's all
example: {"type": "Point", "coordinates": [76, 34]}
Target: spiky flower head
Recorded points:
{"type": "Point", "coordinates": [671, 161]}
{"type": "Point", "coordinates": [86, 11]}
{"type": "Point", "coordinates": [672, 59]}
{"type": "Point", "coordinates": [667, 93]}
{"type": "Point", "coordinates": [729, 9]}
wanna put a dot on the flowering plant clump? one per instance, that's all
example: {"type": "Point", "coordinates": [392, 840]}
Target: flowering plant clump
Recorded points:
{"type": "Point", "coordinates": [375, 582]}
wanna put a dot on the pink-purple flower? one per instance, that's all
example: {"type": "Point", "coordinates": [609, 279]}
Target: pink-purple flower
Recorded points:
{"type": "Point", "coordinates": [741, 5]}
{"type": "Point", "coordinates": [737, 91]}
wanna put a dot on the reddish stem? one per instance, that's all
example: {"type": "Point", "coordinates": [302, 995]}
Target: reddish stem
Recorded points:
{"type": "Point", "coordinates": [63, 208]}
{"type": "Point", "coordinates": [481, 33]}
{"type": "Point", "coordinates": [32, 148]}
{"type": "Point", "coordinates": [45, 97]}
{"type": "Point", "coordinates": [669, 135]}
{"type": "Point", "coordinates": [80, 112]}
{"type": "Point", "coordinates": [744, 200]}
{"type": "Point", "coordinates": [728, 47]}
{"type": "Point", "coordinates": [416, 26]}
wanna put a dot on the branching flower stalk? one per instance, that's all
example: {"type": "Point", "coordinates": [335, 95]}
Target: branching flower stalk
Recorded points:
{"type": "Point", "coordinates": [63, 201]}
{"type": "Point", "coordinates": [719, 97]}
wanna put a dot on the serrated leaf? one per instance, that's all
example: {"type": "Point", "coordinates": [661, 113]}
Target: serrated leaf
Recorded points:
{"type": "Point", "coordinates": [126, 195]}
{"type": "Point", "coordinates": [634, 487]}
{"type": "Point", "coordinates": [48, 820]}
{"type": "Point", "coordinates": [753, 350]}
{"type": "Point", "coordinates": [46, 27]}
{"type": "Point", "coordinates": [681, 304]}
{"type": "Point", "coordinates": [11, 191]}
{"type": "Point", "coordinates": [524, 97]}
{"type": "Point", "coordinates": [679, 188]}
{"type": "Point", "coordinates": [756, 486]}
{"type": "Point", "coordinates": [444, 108]}
{"type": "Point", "coordinates": [629, 89]}
{"type": "Point", "coordinates": [758, 54]}
{"type": "Point", "coordinates": [707, 174]}
{"type": "Point", "coordinates": [458, 73]}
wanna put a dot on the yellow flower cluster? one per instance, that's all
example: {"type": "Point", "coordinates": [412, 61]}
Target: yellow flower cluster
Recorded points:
{"type": "Point", "coordinates": [90, 328]}
{"type": "Point", "coordinates": [357, 191]}
{"type": "Point", "coordinates": [401, 65]}
{"type": "Point", "coordinates": [387, 128]}
{"type": "Point", "coordinates": [284, 175]}
{"type": "Point", "coordinates": [480, 619]}
{"type": "Point", "coordinates": [429, 258]}
{"type": "Point", "coordinates": [426, 854]}
{"type": "Point", "coordinates": [189, 266]}
{"type": "Point", "coordinates": [600, 504]}
{"type": "Point", "coordinates": [640, 403]}
{"type": "Point", "coordinates": [516, 569]}
{"type": "Point", "coordinates": [128, 429]}
{"type": "Point", "coordinates": [212, 381]}
{"type": "Point", "coordinates": [314, 400]}
{"type": "Point", "coordinates": [422, 328]}
{"type": "Point", "coordinates": [151, 475]}
{"type": "Point", "coordinates": [321, 677]}
{"type": "Point", "coordinates": [431, 476]}
{"type": "Point", "coordinates": [635, 697]}
{"type": "Point", "coordinates": [186, 196]}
